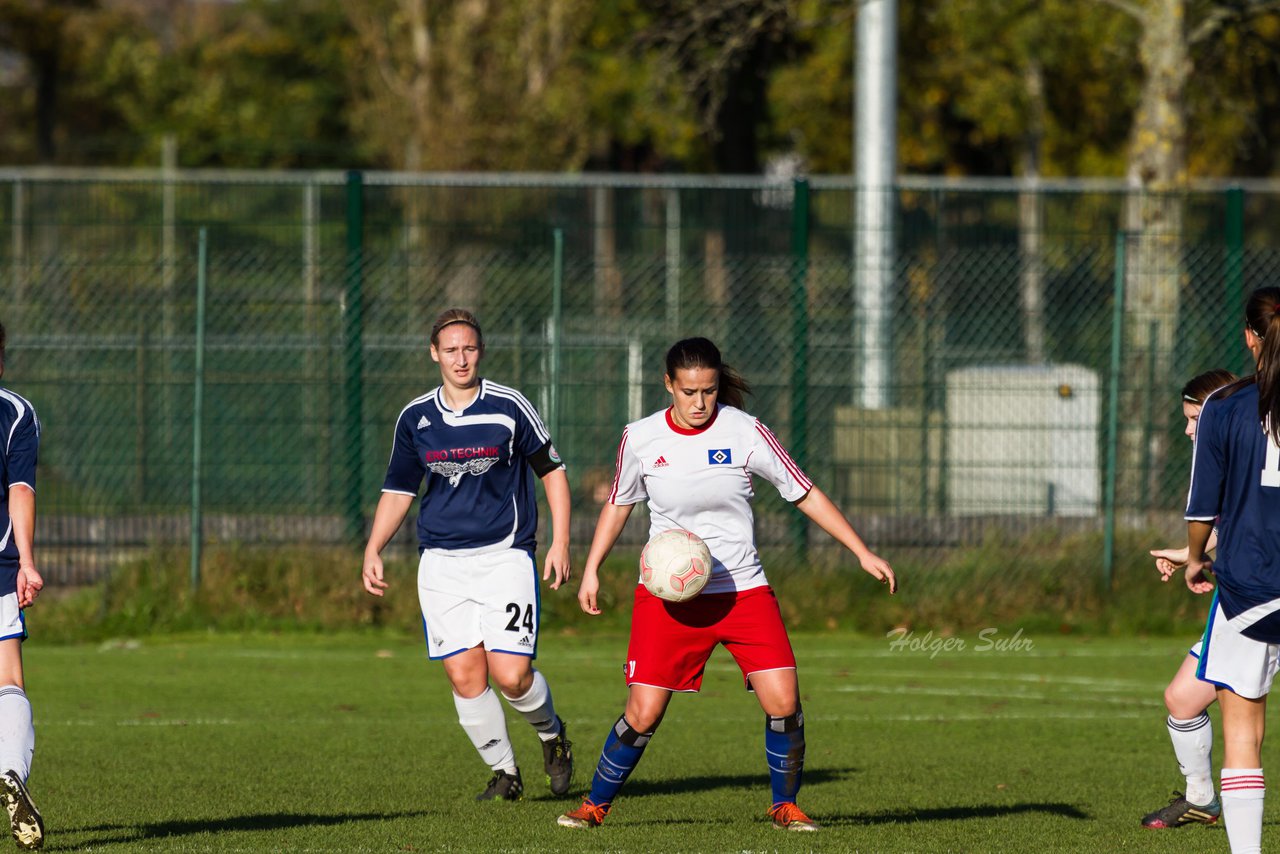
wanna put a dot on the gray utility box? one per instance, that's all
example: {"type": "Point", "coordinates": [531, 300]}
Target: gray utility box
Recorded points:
{"type": "Point", "coordinates": [1023, 439]}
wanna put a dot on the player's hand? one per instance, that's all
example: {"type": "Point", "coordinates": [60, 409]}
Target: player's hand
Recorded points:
{"type": "Point", "coordinates": [29, 585]}
{"type": "Point", "coordinates": [1197, 575]}
{"type": "Point", "coordinates": [588, 590]}
{"type": "Point", "coordinates": [557, 566]}
{"type": "Point", "coordinates": [372, 575]}
{"type": "Point", "coordinates": [1169, 561]}
{"type": "Point", "coordinates": [880, 570]}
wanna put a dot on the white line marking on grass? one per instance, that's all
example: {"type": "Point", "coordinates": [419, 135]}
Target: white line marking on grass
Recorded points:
{"type": "Point", "coordinates": [1007, 694]}
{"type": "Point", "coordinates": [983, 716]}
{"type": "Point", "coordinates": [1048, 680]}
{"type": "Point", "coordinates": [180, 722]}
{"type": "Point", "coordinates": [1127, 652]}
{"type": "Point", "coordinates": [80, 722]}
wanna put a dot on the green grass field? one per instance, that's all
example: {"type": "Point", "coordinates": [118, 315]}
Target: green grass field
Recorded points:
{"type": "Point", "coordinates": [308, 743]}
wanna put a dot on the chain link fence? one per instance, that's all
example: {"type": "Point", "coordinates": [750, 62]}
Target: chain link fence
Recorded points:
{"type": "Point", "coordinates": [1010, 358]}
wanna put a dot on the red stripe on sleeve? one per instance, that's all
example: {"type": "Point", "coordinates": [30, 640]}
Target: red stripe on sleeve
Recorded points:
{"type": "Point", "coordinates": [782, 454]}
{"type": "Point", "coordinates": [617, 467]}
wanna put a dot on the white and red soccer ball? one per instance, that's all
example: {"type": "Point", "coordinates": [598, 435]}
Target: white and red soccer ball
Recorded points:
{"type": "Point", "coordinates": [675, 565]}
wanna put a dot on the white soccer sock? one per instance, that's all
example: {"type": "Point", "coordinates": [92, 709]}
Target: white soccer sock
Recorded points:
{"type": "Point", "coordinates": [1193, 746]}
{"type": "Point", "coordinates": [1243, 791]}
{"type": "Point", "coordinates": [17, 735]}
{"type": "Point", "coordinates": [537, 708]}
{"type": "Point", "coordinates": [486, 725]}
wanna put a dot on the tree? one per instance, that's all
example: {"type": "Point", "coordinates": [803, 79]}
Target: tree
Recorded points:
{"type": "Point", "coordinates": [434, 93]}
{"type": "Point", "coordinates": [37, 30]}
{"type": "Point", "coordinates": [253, 84]}
{"type": "Point", "coordinates": [1170, 32]}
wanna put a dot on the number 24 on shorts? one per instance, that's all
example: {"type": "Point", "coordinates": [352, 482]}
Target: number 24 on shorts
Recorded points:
{"type": "Point", "coordinates": [518, 624]}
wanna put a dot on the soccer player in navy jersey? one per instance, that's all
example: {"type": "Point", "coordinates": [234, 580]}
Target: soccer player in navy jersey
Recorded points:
{"type": "Point", "coordinates": [1187, 698]}
{"type": "Point", "coordinates": [1235, 480]}
{"type": "Point", "coordinates": [20, 584]}
{"type": "Point", "coordinates": [479, 445]}
{"type": "Point", "coordinates": [693, 464]}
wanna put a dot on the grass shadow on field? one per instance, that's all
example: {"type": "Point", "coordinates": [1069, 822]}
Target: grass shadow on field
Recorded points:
{"type": "Point", "coordinates": [703, 783]}
{"type": "Point", "coordinates": [910, 816]}
{"type": "Point", "coordinates": [116, 834]}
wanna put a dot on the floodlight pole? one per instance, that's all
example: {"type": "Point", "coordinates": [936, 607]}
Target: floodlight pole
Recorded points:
{"type": "Point", "coordinates": [875, 165]}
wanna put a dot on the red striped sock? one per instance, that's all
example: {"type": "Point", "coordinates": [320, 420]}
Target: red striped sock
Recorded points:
{"type": "Point", "coordinates": [1243, 791]}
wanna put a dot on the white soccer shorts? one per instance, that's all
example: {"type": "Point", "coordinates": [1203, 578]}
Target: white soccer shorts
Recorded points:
{"type": "Point", "coordinates": [473, 599]}
{"type": "Point", "coordinates": [1231, 660]}
{"type": "Point", "coordinates": [12, 624]}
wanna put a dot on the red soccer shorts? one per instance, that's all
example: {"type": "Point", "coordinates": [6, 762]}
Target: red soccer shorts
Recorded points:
{"type": "Point", "coordinates": [671, 642]}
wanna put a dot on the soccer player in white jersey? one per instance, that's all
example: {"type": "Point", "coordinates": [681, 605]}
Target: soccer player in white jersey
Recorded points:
{"type": "Point", "coordinates": [1186, 697]}
{"type": "Point", "coordinates": [20, 583]}
{"type": "Point", "coordinates": [693, 463]}
{"type": "Point", "coordinates": [1235, 480]}
{"type": "Point", "coordinates": [479, 445]}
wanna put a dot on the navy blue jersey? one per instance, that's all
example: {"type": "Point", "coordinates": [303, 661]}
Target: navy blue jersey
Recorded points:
{"type": "Point", "coordinates": [20, 430]}
{"type": "Point", "coordinates": [479, 491]}
{"type": "Point", "coordinates": [1235, 477]}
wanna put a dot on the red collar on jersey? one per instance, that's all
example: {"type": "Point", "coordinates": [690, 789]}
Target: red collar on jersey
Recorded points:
{"type": "Point", "coordinates": [691, 431]}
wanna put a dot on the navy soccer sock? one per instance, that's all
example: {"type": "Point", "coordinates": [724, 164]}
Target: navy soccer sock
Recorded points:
{"type": "Point", "coordinates": [784, 751]}
{"type": "Point", "coordinates": [622, 751]}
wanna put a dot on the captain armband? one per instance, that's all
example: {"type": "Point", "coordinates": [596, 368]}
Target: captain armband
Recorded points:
{"type": "Point", "coordinates": [545, 460]}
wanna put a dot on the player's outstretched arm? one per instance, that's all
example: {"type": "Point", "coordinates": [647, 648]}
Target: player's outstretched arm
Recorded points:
{"type": "Point", "coordinates": [22, 512]}
{"type": "Point", "coordinates": [822, 510]}
{"type": "Point", "coordinates": [1169, 561]}
{"type": "Point", "coordinates": [613, 518]}
{"type": "Point", "coordinates": [556, 566]}
{"type": "Point", "coordinates": [386, 520]}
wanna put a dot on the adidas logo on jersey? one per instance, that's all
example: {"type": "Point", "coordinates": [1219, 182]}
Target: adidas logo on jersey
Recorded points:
{"type": "Point", "coordinates": [423, 422]}
{"type": "Point", "coordinates": [660, 462]}
{"type": "Point", "coordinates": [525, 642]}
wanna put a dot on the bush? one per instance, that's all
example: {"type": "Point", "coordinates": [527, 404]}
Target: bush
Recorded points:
{"type": "Point", "coordinates": [1039, 583]}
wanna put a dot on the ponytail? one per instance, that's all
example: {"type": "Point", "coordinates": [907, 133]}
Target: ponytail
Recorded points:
{"type": "Point", "coordinates": [701, 353]}
{"type": "Point", "coordinates": [1262, 314]}
{"type": "Point", "coordinates": [733, 388]}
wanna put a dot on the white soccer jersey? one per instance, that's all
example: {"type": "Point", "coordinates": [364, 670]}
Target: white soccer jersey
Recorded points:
{"type": "Point", "coordinates": [700, 480]}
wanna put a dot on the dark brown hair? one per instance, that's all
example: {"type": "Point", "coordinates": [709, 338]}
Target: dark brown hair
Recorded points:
{"type": "Point", "coordinates": [701, 353]}
{"type": "Point", "coordinates": [1202, 385]}
{"type": "Point", "coordinates": [1262, 314]}
{"type": "Point", "coordinates": [450, 316]}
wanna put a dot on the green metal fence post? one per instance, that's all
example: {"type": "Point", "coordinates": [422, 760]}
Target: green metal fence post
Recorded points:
{"type": "Point", "coordinates": [352, 328]}
{"type": "Point", "coordinates": [1234, 278]}
{"type": "Point", "coordinates": [557, 310]}
{"type": "Point", "coordinates": [1149, 417]}
{"type": "Point", "coordinates": [1113, 415]}
{"type": "Point", "coordinates": [197, 413]}
{"type": "Point", "coordinates": [800, 346]}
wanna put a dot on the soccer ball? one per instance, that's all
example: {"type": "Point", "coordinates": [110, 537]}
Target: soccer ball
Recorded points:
{"type": "Point", "coordinates": [675, 565]}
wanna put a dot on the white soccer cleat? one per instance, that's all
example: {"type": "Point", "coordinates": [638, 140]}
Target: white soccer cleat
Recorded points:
{"type": "Point", "coordinates": [24, 818]}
